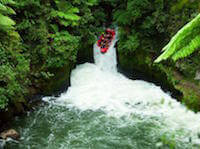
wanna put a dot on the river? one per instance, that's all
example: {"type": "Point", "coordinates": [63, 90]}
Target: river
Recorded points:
{"type": "Point", "coordinates": [102, 109]}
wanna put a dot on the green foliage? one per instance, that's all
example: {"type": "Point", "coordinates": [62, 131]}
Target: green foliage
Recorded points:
{"type": "Point", "coordinates": [191, 99]}
{"type": "Point", "coordinates": [187, 50]}
{"type": "Point", "coordinates": [131, 44]}
{"type": "Point", "coordinates": [6, 23]}
{"type": "Point", "coordinates": [140, 23]}
{"type": "Point", "coordinates": [13, 71]}
{"type": "Point", "coordinates": [66, 13]}
{"type": "Point", "coordinates": [45, 38]}
{"type": "Point", "coordinates": [185, 42]}
{"type": "Point", "coordinates": [131, 11]}
{"type": "Point", "coordinates": [146, 24]}
{"type": "Point", "coordinates": [64, 44]}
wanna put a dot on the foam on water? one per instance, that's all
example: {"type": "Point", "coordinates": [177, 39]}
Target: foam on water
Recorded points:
{"type": "Point", "coordinates": [100, 87]}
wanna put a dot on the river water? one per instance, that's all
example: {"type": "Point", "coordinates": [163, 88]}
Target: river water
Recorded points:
{"type": "Point", "coordinates": [102, 109]}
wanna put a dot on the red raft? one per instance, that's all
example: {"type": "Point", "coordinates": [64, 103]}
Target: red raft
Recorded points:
{"type": "Point", "coordinates": [105, 40]}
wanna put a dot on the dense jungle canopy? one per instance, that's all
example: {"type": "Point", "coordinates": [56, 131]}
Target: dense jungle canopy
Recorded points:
{"type": "Point", "coordinates": [38, 38]}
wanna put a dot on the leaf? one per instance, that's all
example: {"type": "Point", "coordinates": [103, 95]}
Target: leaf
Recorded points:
{"type": "Point", "coordinates": [6, 21]}
{"type": "Point", "coordinates": [92, 2]}
{"type": "Point", "coordinates": [187, 50]}
{"type": "Point", "coordinates": [65, 23]}
{"type": "Point", "coordinates": [73, 10]}
{"type": "Point", "coordinates": [186, 35]}
{"type": "Point", "coordinates": [10, 11]}
{"type": "Point", "coordinates": [72, 17]}
{"type": "Point", "coordinates": [7, 2]}
{"type": "Point", "coordinates": [63, 5]}
{"type": "Point", "coordinates": [2, 7]}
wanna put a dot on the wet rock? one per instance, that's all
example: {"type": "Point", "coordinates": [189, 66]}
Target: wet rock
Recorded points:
{"type": "Point", "coordinates": [11, 133]}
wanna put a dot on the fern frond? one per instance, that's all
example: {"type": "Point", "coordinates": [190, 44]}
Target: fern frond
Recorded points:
{"type": "Point", "coordinates": [4, 20]}
{"type": "Point", "coordinates": [68, 16]}
{"type": "Point", "coordinates": [183, 37]}
{"type": "Point", "coordinates": [2, 7]}
{"type": "Point", "coordinates": [5, 2]}
{"type": "Point", "coordinates": [6, 23]}
{"type": "Point", "coordinates": [73, 10]}
{"type": "Point", "coordinates": [10, 11]}
{"type": "Point", "coordinates": [187, 50]}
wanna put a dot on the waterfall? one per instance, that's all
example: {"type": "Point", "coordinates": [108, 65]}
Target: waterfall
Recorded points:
{"type": "Point", "coordinates": [100, 87]}
{"type": "Point", "coordinates": [107, 61]}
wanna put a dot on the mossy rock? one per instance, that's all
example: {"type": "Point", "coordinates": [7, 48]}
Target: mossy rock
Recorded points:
{"type": "Point", "coordinates": [59, 82]}
{"type": "Point", "coordinates": [190, 90]}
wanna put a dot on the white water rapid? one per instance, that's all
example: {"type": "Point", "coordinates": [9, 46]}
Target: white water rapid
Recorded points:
{"type": "Point", "coordinates": [99, 87]}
